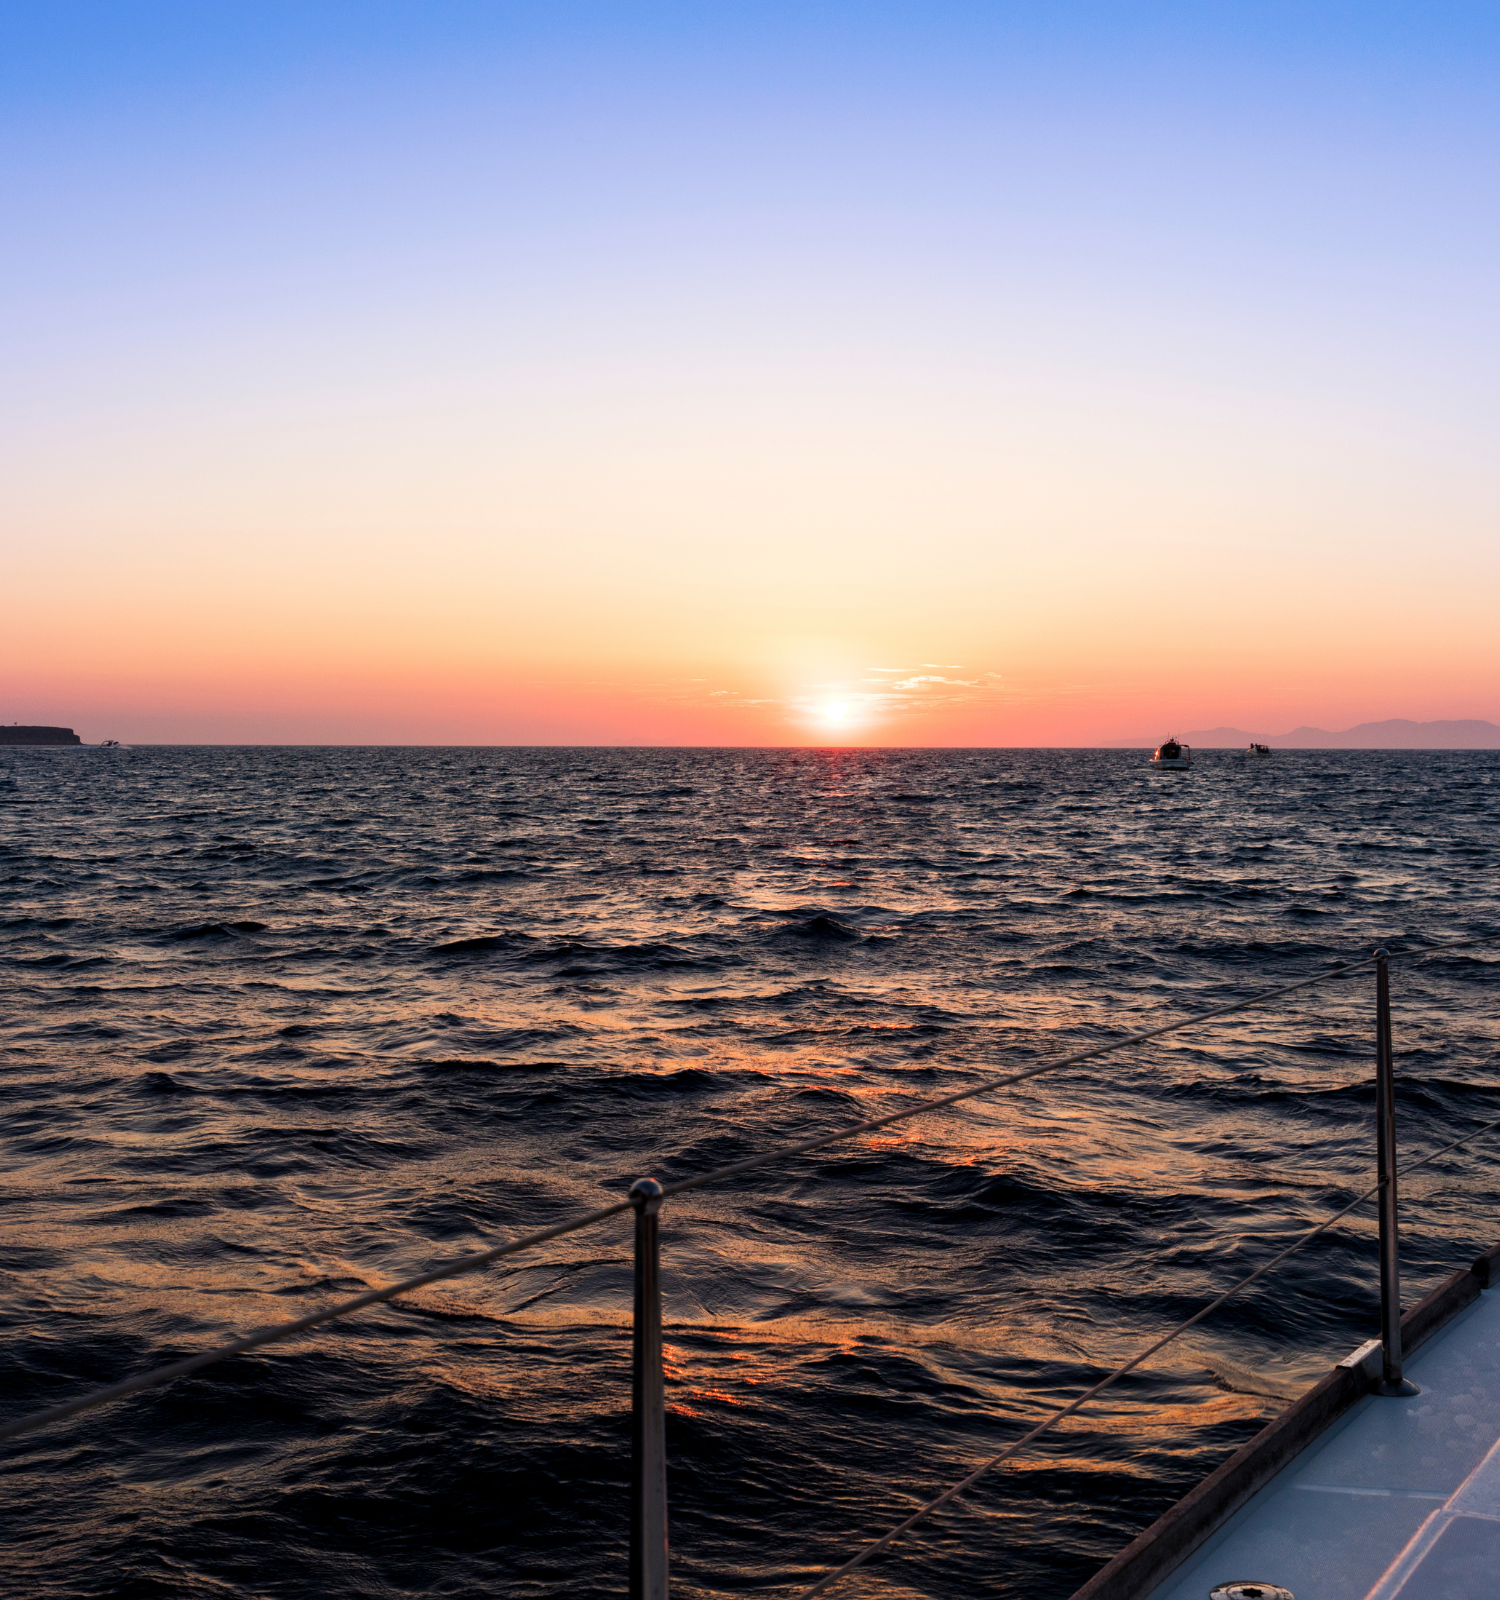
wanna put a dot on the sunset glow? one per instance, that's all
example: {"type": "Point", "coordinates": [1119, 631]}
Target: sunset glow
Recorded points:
{"type": "Point", "coordinates": [595, 382]}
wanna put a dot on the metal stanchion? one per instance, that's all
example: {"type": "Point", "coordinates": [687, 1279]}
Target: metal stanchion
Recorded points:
{"type": "Point", "coordinates": [648, 1442]}
{"type": "Point", "coordinates": [1391, 1382]}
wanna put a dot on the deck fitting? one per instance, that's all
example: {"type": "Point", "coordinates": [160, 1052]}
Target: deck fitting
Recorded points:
{"type": "Point", "coordinates": [1250, 1591]}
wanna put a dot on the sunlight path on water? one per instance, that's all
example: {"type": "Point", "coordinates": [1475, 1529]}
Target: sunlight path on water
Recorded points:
{"type": "Point", "coordinates": [285, 1024]}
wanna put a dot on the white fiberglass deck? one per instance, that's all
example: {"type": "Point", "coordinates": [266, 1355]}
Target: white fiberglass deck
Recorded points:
{"type": "Point", "coordinates": [1398, 1500]}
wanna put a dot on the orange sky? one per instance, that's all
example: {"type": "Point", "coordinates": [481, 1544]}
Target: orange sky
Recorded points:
{"type": "Point", "coordinates": [661, 398]}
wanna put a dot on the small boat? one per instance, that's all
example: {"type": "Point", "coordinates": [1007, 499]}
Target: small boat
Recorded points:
{"type": "Point", "coordinates": [1258, 749]}
{"type": "Point", "coordinates": [1172, 753]}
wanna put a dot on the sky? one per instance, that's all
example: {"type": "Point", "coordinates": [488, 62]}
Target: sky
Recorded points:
{"type": "Point", "coordinates": [891, 374]}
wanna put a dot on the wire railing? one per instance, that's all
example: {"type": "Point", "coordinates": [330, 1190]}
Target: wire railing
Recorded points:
{"type": "Point", "coordinates": [649, 1549]}
{"type": "Point", "coordinates": [1063, 1412]}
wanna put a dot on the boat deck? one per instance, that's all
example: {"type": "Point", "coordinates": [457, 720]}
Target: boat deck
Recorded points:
{"type": "Point", "coordinates": [1399, 1499]}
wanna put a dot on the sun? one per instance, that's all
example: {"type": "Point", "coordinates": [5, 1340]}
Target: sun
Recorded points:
{"type": "Point", "coordinates": [836, 710]}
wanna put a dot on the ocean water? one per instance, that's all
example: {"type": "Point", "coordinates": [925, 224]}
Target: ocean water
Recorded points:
{"type": "Point", "coordinates": [281, 1024]}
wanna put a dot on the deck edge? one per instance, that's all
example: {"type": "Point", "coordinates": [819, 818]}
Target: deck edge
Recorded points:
{"type": "Point", "coordinates": [1180, 1532]}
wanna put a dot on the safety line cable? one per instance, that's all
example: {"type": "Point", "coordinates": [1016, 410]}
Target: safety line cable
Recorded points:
{"type": "Point", "coordinates": [1051, 1066]}
{"type": "Point", "coordinates": [483, 1258]}
{"type": "Point", "coordinates": [958, 1488]}
{"type": "Point", "coordinates": [285, 1330]}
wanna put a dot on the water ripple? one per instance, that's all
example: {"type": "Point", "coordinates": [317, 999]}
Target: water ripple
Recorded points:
{"type": "Point", "coordinates": [282, 1024]}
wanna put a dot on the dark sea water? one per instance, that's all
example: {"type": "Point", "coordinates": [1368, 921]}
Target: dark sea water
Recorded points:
{"type": "Point", "coordinates": [282, 1024]}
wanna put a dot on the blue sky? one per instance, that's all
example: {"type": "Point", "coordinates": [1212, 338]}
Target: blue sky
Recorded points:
{"type": "Point", "coordinates": [1189, 296]}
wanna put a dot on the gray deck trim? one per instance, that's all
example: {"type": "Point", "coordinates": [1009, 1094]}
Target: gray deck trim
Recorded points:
{"type": "Point", "coordinates": [1173, 1537]}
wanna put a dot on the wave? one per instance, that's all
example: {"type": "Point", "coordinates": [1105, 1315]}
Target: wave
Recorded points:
{"type": "Point", "coordinates": [372, 1007]}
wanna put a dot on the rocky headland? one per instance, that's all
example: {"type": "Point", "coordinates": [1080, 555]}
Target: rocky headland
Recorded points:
{"type": "Point", "coordinates": [18, 733]}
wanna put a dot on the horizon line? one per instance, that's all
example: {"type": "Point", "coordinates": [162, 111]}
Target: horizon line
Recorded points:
{"type": "Point", "coordinates": [1119, 744]}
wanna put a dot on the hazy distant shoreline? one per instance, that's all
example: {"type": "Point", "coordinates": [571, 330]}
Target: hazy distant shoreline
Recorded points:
{"type": "Point", "coordinates": [1395, 734]}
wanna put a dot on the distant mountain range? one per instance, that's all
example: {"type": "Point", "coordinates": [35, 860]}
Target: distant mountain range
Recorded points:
{"type": "Point", "coordinates": [1396, 734]}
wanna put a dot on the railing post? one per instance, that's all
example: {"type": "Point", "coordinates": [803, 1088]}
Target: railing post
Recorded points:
{"type": "Point", "coordinates": [1391, 1382]}
{"type": "Point", "coordinates": [648, 1441]}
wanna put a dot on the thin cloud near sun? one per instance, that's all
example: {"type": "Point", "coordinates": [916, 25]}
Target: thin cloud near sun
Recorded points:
{"type": "Point", "coordinates": [865, 707]}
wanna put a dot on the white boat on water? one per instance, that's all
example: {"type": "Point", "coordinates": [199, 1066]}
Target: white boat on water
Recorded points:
{"type": "Point", "coordinates": [1258, 750]}
{"type": "Point", "coordinates": [1172, 753]}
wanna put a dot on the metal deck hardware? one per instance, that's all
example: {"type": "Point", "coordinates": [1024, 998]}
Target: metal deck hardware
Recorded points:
{"type": "Point", "coordinates": [648, 1440]}
{"type": "Point", "coordinates": [1250, 1591]}
{"type": "Point", "coordinates": [1391, 1383]}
